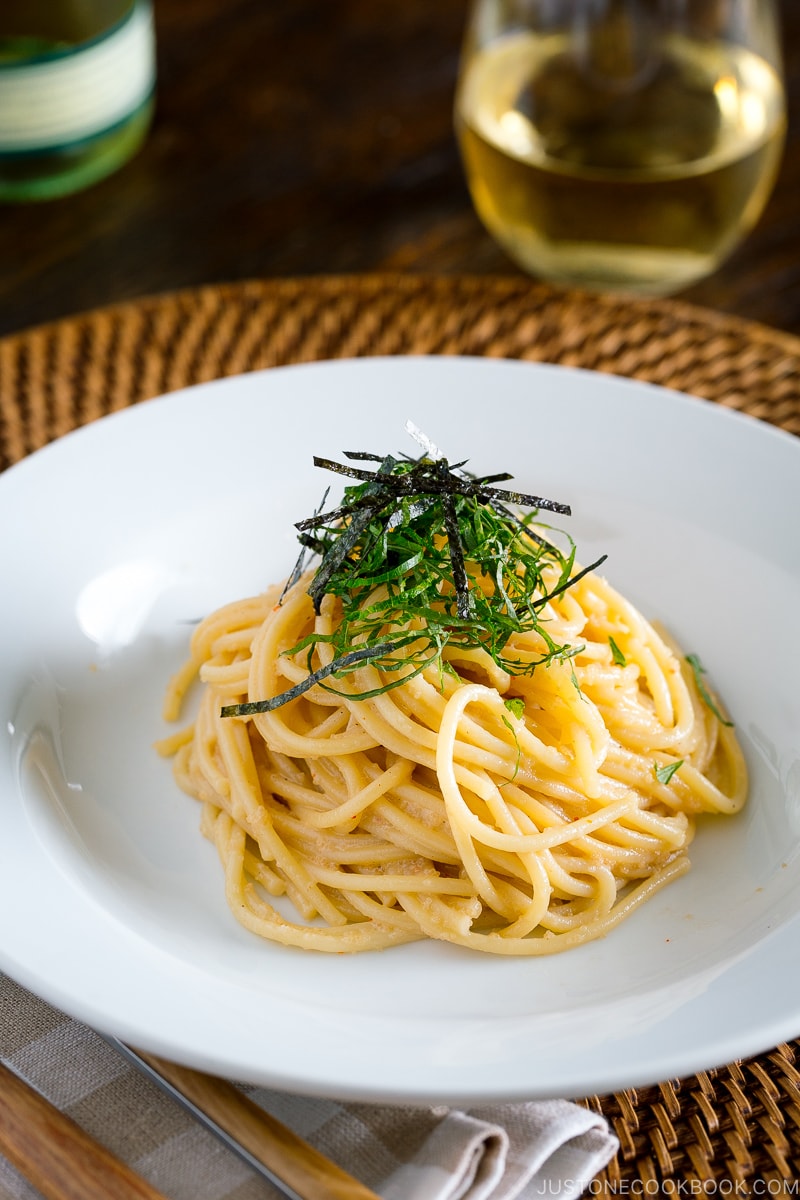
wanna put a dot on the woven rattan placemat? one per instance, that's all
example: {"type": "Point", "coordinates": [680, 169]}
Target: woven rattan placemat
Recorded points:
{"type": "Point", "coordinates": [734, 1130]}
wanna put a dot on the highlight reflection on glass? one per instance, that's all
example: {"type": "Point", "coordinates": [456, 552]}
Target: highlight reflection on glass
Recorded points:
{"type": "Point", "coordinates": [621, 144]}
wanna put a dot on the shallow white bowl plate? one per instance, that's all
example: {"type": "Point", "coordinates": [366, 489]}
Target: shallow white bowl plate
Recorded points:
{"type": "Point", "coordinates": [115, 539]}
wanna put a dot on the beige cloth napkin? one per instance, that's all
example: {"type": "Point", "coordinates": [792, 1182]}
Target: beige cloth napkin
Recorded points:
{"type": "Point", "coordinates": [504, 1152]}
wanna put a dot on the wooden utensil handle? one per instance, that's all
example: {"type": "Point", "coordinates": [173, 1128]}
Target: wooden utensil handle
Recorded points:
{"type": "Point", "coordinates": [288, 1156]}
{"type": "Point", "coordinates": [55, 1154]}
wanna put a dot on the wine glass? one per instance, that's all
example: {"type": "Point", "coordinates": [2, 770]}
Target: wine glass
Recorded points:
{"type": "Point", "coordinates": [624, 145]}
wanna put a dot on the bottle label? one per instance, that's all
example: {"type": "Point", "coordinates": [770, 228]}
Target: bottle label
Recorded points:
{"type": "Point", "coordinates": [61, 98]}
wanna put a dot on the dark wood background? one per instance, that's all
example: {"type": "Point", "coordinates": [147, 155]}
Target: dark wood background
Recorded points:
{"type": "Point", "coordinates": [305, 137]}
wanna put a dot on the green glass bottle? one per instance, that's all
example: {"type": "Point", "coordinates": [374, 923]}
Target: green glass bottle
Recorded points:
{"type": "Point", "coordinates": [77, 82]}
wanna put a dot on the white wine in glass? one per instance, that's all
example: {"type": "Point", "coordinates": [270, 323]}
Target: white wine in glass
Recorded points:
{"type": "Point", "coordinates": [623, 145]}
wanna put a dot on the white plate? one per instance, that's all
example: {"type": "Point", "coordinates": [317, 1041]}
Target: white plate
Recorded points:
{"type": "Point", "coordinates": [115, 537]}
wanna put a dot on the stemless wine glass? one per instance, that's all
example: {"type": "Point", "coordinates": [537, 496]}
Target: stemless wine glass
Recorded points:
{"type": "Point", "coordinates": [625, 145]}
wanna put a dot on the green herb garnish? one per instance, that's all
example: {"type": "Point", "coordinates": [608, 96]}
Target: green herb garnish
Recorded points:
{"type": "Point", "coordinates": [516, 706]}
{"type": "Point", "coordinates": [699, 671]}
{"type": "Point", "coordinates": [665, 773]}
{"type": "Point", "coordinates": [422, 556]}
{"type": "Point", "coordinates": [616, 654]}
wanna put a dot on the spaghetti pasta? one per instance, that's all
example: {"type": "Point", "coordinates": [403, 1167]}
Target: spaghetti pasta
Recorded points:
{"type": "Point", "coordinates": [512, 813]}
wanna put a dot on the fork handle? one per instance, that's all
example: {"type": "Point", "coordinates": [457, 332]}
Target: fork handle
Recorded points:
{"type": "Point", "coordinates": [294, 1161]}
{"type": "Point", "coordinates": [55, 1154]}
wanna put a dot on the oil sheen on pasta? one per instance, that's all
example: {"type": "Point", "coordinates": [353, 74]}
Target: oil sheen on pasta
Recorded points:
{"type": "Point", "coordinates": [438, 809]}
{"type": "Point", "coordinates": [649, 187]}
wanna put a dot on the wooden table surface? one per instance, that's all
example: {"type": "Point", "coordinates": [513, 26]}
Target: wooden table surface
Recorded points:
{"type": "Point", "coordinates": [306, 137]}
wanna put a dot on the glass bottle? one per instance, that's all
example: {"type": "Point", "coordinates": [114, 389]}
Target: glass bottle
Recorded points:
{"type": "Point", "coordinates": [76, 92]}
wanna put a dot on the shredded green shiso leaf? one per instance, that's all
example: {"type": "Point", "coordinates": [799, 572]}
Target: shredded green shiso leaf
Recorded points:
{"type": "Point", "coordinates": [616, 654]}
{"type": "Point", "coordinates": [422, 555]}
{"type": "Point", "coordinates": [699, 671]}
{"type": "Point", "coordinates": [664, 773]}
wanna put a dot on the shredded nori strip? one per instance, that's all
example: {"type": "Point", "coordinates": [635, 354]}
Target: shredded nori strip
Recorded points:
{"type": "Point", "coordinates": [423, 555]}
{"type": "Point", "coordinates": [300, 565]}
{"type": "Point", "coordinates": [337, 664]}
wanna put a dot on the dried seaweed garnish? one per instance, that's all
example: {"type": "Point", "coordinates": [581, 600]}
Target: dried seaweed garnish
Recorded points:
{"type": "Point", "coordinates": [341, 664]}
{"type": "Point", "coordinates": [422, 556]}
{"type": "Point", "coordinates": [300, 565]}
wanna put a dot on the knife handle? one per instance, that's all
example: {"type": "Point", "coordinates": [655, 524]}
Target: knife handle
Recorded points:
{"type": "Point", "coordinates": [281, 1150]}
{"type": "Point", "coordinates": [55, 1154]}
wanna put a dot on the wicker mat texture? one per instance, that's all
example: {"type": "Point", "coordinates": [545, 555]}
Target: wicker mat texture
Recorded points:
{"type": "Point", "coordinates": [734, 1130]}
